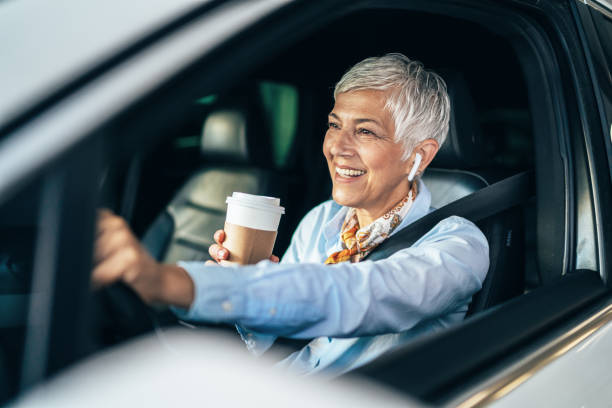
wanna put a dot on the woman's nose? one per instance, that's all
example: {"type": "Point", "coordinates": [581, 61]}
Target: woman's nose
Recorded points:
{"type": "Point", "coordinates": [340, 143]}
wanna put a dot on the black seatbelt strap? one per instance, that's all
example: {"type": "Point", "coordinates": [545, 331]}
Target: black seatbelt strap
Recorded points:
{"type": "Point", "coordinates": [475, 207]}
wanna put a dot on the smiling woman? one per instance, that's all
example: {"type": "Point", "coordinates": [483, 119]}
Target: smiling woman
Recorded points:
{"type": "Point", "coordinates": [388, 120]}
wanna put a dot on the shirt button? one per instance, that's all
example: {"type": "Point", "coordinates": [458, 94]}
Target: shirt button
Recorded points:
{"type": "Point", "coordinates": [227, 306]}
{"type": "Point", "coordinates": [272, 311]}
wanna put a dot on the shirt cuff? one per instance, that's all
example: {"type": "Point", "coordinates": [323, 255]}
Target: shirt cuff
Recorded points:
{"type": "Point", "coordinates": [214, 300]}
{"type": "Point", "coordinates": [256, 343]}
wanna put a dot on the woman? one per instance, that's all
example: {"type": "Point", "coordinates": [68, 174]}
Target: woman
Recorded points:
{"type": "Point", "coordinates": [389, 118]}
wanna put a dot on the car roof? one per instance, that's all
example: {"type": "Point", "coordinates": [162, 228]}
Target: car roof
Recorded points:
{"type": "Point", "coordinates": [46, 44]}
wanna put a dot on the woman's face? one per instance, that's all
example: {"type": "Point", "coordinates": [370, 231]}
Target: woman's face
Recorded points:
{"type": "Point", "coordinates": [364, 160]}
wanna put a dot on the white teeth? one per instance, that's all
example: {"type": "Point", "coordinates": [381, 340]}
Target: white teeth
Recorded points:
{"type": "Point", "coordinates": [349, 172]}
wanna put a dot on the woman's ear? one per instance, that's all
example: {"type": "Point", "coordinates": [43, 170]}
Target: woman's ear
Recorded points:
{"type": "Point", "coordinates": [427, 150]}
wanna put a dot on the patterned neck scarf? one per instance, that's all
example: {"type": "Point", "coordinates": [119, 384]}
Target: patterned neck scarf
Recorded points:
{"type": "Point", "coordinates": [358, 243]}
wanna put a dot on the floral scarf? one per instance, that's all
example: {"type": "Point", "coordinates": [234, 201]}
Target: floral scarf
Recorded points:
{"type": "Point", "coordinates": [358, 242]}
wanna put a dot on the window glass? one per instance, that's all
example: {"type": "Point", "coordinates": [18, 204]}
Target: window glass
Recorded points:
{"type": "Point", "coordinates": [280, 102]}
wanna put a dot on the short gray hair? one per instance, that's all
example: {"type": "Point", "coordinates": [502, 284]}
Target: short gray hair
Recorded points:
{"type": "Point", "coordinates": [418, 100]}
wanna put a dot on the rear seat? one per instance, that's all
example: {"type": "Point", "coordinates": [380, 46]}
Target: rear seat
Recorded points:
{"type": "Point", "coordinates": [235, 148]}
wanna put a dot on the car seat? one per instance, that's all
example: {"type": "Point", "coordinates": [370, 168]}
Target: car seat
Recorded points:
{"type": "Point", "coordinates": [461, 168]}
{"type": "Point", "coordinates": [235, 150]}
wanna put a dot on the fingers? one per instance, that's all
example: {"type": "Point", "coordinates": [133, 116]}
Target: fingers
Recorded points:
{"type": "Point", "coordinates": [116, 250]}
{"type": "Point", "coordinates": [113, 233]}
{"type": "Point", "coordinates": [218, 253]}
{"type": "Point", "coordinates": [219, 236]}
{"type": "Point", "coordinates": [104, 212]}
{"type": "Point", "coordinates": [107, 221]}
{"type": "Point", "coordinates": [274, 258]}
{"type": "Point", "coordinates": [112, 268]}
{"type": "Point", "coordinates": [109, 241]}
{"type": "Point", "coordinates": [119, 256]}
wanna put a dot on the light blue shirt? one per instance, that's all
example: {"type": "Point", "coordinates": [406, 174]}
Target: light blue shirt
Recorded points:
{"type": "Point", "coordinates": [355, 311]}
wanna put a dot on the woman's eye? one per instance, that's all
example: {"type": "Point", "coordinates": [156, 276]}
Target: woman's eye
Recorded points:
{"type": "Point", "coordinates": [366, 132]}
{"type": "Point", "coordinates": [333, 125]}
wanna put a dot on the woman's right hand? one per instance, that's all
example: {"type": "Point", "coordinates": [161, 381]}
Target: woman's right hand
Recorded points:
{"type": "Point", "coordinates": [119, 256]}
{"type": "Point", "coordinates": [220, 254]}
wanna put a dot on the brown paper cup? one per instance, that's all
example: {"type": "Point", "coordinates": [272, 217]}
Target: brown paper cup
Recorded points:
{"type": "Point", "coordinates": [250, 227]}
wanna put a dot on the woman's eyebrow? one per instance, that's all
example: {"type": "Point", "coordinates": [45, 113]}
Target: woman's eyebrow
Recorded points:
{"type": "Point", "coordinates": [358, 121]}
{"type": "Point", "coordinates": [368, 120]}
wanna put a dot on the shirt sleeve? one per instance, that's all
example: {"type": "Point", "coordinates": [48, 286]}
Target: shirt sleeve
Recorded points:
{"type": "Point", "coordinates": [259, 343]}
{"type": "Point", "coordinates": [439, 273]}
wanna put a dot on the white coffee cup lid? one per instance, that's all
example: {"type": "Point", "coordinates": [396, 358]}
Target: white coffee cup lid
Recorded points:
{"type": "Point", "coordinates": [252, 211]}
{"type": "Point", "coordinates": [256, 201]}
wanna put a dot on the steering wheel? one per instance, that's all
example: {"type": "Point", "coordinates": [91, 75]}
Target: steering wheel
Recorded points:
{"type": "Point", "coordinates": [120, 312]}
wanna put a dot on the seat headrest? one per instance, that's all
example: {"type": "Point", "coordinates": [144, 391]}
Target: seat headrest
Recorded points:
{"type": "Point", "coordinates": [463, 148]}
{"type": "Point", "coordinates": [224, 133]}
{"type": "Point", "coordinates": [235, 130]}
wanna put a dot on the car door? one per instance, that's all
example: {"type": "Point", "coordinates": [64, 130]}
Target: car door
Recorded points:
{"type": "Point", "coordinates": [578, 374]}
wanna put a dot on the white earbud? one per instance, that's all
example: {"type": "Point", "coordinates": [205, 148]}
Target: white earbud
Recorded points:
{"type": "Point", "coordinates": [415, 166]}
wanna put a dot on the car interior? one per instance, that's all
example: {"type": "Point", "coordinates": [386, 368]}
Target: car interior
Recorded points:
{"type": "Point", "coordinates": [265, 135]}
{"type": "Point", "coordinates": [169, 164]}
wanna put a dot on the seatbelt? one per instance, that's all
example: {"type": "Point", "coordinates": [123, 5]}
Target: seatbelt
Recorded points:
{"type": "Point", "coordinates": [475, 207]}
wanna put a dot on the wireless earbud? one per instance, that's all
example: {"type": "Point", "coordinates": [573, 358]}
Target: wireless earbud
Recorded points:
{"type": "Point", "coordinates": [415, 166]}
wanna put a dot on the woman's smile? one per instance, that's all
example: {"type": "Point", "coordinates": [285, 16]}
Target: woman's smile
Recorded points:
{"type": "Point", "coordinates": [348, 173]}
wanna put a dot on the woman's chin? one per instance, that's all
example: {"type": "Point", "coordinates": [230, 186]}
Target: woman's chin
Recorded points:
{"type": "Point", "coordinates": [344, 199]}
{"type": "Point", "coordinates": [348, 191]}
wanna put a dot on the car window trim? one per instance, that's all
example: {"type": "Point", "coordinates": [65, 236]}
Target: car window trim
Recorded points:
{"type": "Point", "coordinates": [599, 6]}
{"type": "Point", "coordinates": [600, 172]}
{"type": "Point", "coordinates": [58, 320]}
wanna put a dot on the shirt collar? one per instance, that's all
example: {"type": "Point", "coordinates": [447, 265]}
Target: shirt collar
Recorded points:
{"type": "Point", "coordinates": [419, 208]}
{"type": "Point", "coordinates": [333, 226]}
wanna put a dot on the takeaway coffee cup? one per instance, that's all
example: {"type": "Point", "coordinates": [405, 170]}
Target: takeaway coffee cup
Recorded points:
{"type": "Point", "coordinates": [250, 227]}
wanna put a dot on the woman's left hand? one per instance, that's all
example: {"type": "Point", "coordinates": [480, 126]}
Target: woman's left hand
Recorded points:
{"type": "Point", "coordinates": [221, 254]}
